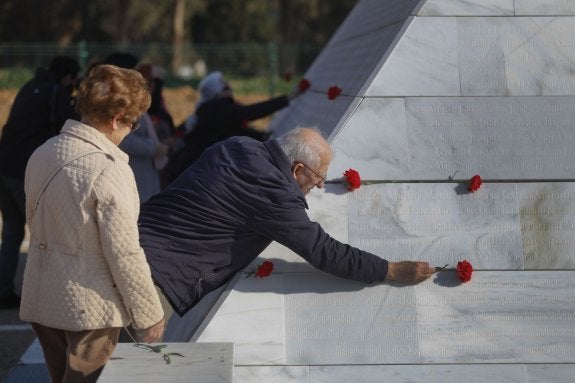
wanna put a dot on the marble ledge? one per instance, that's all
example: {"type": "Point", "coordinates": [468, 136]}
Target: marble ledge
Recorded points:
{"type": "Point", "coordinates": [509, 373]}
{"type": "Point", "coordinates": [202, 362]}
{"type": "Point", "coordinates": [314, 319]}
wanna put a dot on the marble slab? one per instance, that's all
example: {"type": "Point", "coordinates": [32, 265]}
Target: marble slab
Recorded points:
{"type": "Point", "coordinates": [516, 56]}
{"type": "Point", "coordinates": [467, 8]}
{"type": "Point", "coordinates": [505, 373]}
{"type": "Point", "coordinates": [503, 226]}
{"type": "Point", "coordinates": [429, 138]}
{"type": "Point", "coordinates": [497, 317]}
{"type": "Point", "coordinates": [424, 62]}
{"type": "Point", "coordinates": [252, 318]}
{"type": "Point", "coordinates": [547, 212]}
{"type": "Point", "coordinates": [448, 373]}
{"type": "Point", "coordinates": [206, 363]}
{"type": "Point", "coordinates": [331, 321]}
{"type": "Point", "coordinates": [549, 373]}
{"type": "Point", "coordinates": [436, 56]}
{"type": "Point", "coordinates": [373, 141]}
{"type": "Point", "coordinates": [272, 374]}
{"type": "Point", "coordinates": [546, 7]}
{"type": "Point", "coordinates": [418, 373]}
{"type": "Point", "coordinates": [497, 137]}
{"type": "Point", "coordinates": [479, 56]}
{"type": "Point", "coordinates": [438, 223]}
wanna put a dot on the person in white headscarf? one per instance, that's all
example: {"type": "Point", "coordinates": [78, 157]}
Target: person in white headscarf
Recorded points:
{"type": "Point", "coordinates": [219, 116]}
{"type": "Point", "coordinates": [211, 87]}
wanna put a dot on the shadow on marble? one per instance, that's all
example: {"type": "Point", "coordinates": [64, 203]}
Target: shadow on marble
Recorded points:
{"type": "Point", "coordinates": [335, 186]}
{"type": "Point", "coordinates": [461, 189]}
{"type": "Point", "coordinates": [446, 278]}
{"type": "Point", "coordinates": [341, 285]}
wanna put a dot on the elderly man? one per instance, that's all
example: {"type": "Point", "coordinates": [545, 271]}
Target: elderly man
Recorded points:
{"type": "Point", "coordinates": [240, 195]}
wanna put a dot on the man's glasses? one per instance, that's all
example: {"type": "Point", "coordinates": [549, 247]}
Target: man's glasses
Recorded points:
{"type": "Point", "coordinates": [323, 178]}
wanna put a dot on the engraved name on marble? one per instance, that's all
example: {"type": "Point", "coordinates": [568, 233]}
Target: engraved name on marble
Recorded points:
{"type": "Point", "coordinates": [434, 222]}
{"type": "Point", "coordinates": [498, 137]}
{"type": "Point", "coordinates": [335, 327]}
{"type": "Point", "coordinates": [499, 317]}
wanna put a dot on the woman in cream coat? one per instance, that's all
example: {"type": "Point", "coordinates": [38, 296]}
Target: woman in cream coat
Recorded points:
{"type": "Point", "coordinates": [86, 275]}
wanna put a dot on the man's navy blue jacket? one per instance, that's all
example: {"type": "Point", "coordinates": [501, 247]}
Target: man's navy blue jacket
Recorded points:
{"type": "Point", "coordinates": [224, 210]}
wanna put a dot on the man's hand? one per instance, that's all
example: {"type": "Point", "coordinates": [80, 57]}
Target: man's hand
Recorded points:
{"type": "Point", "coordinates": [153, 333]}
{"type": "Point", "coordinates": [408, 272]}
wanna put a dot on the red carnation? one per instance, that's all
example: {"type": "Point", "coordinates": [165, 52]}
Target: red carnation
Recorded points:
{"type": "Point", "coordinates": [474, 183]}
{"type": "Point", "coordinates": [287, 76]}
{"type": "Point", "coordinates": [304, 85]}
{"type": "Point", "coordinates": [352, 179]}
{"type": "Point", "coordinates": [265, 269]}
{"type": "Point", "coordinates": [464, 271]}
{"type": "Point", "coordinates": [333, 92]}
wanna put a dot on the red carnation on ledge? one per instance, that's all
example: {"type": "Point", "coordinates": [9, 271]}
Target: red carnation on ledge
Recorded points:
{"type": "Point", "coordinates": [464, 271]}
{"type": "Point", "coordinates": [474, 183]}
{"type": "Point", "coordinates": [304, 85]}
{"type": "Point", "coordinates": [352, 179]}
{"type": "Point", "coordinates": [333, 92]}
{"type": "Point", "coordinates": [265, 269]}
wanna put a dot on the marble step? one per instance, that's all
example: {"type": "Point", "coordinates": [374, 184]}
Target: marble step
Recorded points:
{"type": "Point", "coordinates": [201, 362]}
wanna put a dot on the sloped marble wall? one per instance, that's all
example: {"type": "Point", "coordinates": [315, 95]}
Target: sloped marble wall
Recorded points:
{"type": "Point", "coordinates": [433, 92]}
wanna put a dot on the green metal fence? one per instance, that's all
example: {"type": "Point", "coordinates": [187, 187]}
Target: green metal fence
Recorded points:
{"type": "Point", "coordinates": [268, 61]}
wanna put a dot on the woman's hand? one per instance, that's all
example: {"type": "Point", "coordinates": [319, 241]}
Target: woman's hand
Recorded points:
{"type": "Point", "coordinates": [153, 333]}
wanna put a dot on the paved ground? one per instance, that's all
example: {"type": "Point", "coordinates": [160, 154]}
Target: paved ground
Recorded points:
{"type": "Point", "coordinates": [15, 335]}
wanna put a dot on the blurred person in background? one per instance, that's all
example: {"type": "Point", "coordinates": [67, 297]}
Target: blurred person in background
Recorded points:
{"type": "Point", "coordinates": [37, 114]}
{"type": "Point", "coordinates": [148, 155]}
{"type": "Point", "coordinates": [160, 116]}
{"type": "Point", "coordinates": [219, 116]}
{"type": "Point", "coordinates": [86, 275]}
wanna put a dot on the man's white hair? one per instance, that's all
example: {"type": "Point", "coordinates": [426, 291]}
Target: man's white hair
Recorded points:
{"type": "Point", "coordinates": [298, 147]}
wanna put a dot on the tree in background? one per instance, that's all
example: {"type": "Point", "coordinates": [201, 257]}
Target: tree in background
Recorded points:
{"type": "Point", "coordinates": [179, 23]}
{"type": "Point", "coordinates": [213, 21]}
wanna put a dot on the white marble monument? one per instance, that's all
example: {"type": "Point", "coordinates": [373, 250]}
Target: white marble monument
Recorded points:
{"type": "Point", "coordinates": [433, 92]}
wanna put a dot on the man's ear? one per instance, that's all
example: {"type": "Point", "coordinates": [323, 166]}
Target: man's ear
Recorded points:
{"type": "Point", "coordinates": [296, 168]}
